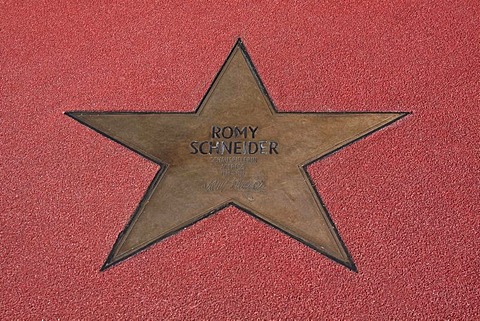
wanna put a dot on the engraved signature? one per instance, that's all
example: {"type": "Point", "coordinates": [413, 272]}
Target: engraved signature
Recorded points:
{"type": "Point", "coordinates": [237, 184]}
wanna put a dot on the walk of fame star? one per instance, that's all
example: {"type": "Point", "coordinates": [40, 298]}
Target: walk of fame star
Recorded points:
{"type": "Point", "coordinates": [235, 149]}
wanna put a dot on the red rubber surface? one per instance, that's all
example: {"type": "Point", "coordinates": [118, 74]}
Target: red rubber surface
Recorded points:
{"type": "Point", "coordinates": [405, 199]}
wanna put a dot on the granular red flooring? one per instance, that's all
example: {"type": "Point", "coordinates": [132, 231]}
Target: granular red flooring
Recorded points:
{"type": "Point", "coordinates": [405, 199]}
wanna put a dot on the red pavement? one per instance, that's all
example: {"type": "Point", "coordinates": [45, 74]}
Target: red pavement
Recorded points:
{"type": "Point", "coordinates": [405, 199]}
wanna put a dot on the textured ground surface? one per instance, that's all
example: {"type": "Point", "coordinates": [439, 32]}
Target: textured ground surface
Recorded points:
{"type": "Point", "coordinates": [405, 200]}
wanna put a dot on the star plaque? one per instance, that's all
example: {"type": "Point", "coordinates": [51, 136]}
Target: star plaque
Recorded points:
{"type": "Point", "coordinates": [235, 149]}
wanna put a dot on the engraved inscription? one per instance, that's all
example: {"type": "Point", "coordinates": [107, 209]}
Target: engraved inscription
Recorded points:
{"type": "Point", "coordinates": [234, 184]}
{"type": "Point", "coordinates": [231, 142]}
{"type": "Point", "coordinates": [235, 172]}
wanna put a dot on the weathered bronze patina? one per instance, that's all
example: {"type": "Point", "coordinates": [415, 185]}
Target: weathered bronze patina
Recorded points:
{"type": "Point", "coordinates": [235, 149]}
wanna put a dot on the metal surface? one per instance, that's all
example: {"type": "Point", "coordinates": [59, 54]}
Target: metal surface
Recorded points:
{"type": "Point", "coordinates": [235, 149]}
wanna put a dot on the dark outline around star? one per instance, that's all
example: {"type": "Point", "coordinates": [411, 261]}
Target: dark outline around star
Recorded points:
{"type": "Point", "coordinates": [163, 166]}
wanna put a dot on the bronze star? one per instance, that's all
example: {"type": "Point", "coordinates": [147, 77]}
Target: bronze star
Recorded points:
{"type": "Point", "coordinates": [235, 149]}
